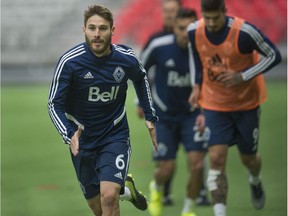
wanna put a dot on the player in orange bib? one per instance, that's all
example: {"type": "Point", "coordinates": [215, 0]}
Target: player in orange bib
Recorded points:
{"type": "Point", "coordinates": [228, 83]}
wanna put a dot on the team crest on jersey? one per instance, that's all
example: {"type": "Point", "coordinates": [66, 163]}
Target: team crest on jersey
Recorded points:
{"type": "Point", "coordinates": [118, 74]}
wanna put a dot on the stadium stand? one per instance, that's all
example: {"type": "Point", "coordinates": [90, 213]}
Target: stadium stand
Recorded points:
{"type": "Point", "coordinates": [36, 32]}
{"type": "Point", "coordinates": [26, 25]}
{"type": "Point", "coordinates": [265, 14]}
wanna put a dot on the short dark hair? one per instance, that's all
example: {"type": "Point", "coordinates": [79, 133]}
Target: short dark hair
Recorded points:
{"type": "Point", "coordinates": [178, 1]}
{"type": "Point", "coordinates": [186, 13]}
{"type": "Point", "coordinates": [100, 11]}
{"type": "Point", "coordinates": [213, 5]}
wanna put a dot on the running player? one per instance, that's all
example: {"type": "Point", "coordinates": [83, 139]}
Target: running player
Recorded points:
{"type": "Point", "coordinates": [169, 12]}
{"type": "Point", "coordinates": [171, 88]}
{"type": "Point", "coordinates": [87, 106]}
{"type": "Point", "coordinates": [228, 84]}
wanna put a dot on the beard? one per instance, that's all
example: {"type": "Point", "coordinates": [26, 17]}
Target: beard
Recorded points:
{"type": "Point", "coordinates": [100, 49]}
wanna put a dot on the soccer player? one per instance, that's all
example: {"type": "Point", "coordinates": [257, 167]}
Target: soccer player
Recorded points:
{"type": "Point", "coordinates": [87, 106]}
{"type": "Point", "coordinates": [169, 12]}
{"type": "Point", "coordinates": [171, 88]}
{"type": "Point", "coordinates": [228, 83]}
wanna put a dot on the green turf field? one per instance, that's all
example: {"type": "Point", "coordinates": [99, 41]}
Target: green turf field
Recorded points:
{"type": "Point", "coordinates": [38, 178]}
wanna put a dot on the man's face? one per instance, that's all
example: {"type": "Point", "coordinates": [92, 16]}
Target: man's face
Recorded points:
{"type": "Point", "coordinates": [169, 12]}
{"type": "Point", "coordinates": [98, 35]}
{"type": "Point", "coordinates": [180, 30]}
{"type": "Point", "coordinates": [214, 20]}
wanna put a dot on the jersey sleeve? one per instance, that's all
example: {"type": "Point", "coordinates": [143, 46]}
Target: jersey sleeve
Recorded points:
{"type": "Point", "coordinates": [251, 39]}
{"type": "Point", "coordinates": [142, 89]}
{"type": "Point", "coordinates": [59, 88]}
{"type": "Point", "coordinates": [195, 64]}
{"type": "Point", "coordinates": [148, 57]}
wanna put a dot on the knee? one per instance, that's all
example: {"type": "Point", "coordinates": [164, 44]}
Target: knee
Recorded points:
{"type": "Point", "coordinates": [197, 166]}
{"type": "Point", "coordinates": [109, 198]}
{"type": "Point", "coordinates": [217, 160]}
{"type": "Point", "coordinates": [250, 161]}
{"type": "Point", "coordinates": [165, 169]}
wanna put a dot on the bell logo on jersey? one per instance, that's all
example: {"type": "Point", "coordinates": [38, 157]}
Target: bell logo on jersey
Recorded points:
{"type": "Point", "coordinates": [175, 80]}
{"type": "Point", "coordinates": [95, 94]}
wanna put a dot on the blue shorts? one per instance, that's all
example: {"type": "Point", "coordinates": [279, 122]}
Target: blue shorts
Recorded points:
{"type": "Point", "coordinates": [106, 163]}
{"type": "Point", "coordinates": [171, 134]}
{"type": "Point", "coordinates": [240, 128]}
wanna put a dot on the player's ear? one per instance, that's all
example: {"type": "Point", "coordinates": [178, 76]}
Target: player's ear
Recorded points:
{"type": "Point", "coordinates": [112, 30]}
{"type": "Point", "coordinates": [83, 29]}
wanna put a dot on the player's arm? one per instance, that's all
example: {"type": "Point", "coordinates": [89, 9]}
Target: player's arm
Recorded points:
{"type": "Point", "coordinates": [251, 39]}
{"type": "Point", "coordinates": [145, 100]}
{"type": "Point", "coordinates": [195, 67]}
{"type": "Point", "coordinates": [56, 103]}
{"type": "Point", "coordinates": [147, 58]}
{"type": "Point", "coordinates": [142, 88]}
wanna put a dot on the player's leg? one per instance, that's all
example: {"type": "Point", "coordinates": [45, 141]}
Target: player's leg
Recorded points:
{"type": "Point", "coordinates": [248, 136]}
{"type": "Point", "coordinates": [112, 165]}
{"type": "Point", "coordinates": [253, 164]}
{"type": "Point", "coordinates": [165, 165]}
{"type": "Point", "coordinates": [168, 198]}
{"type": "Point", "coordinates": [193, 142]}
{"type": "Point", "coordinates": [88, 180]}
{"type": "Point", "coordinates": [222, 132]}
{"type": "Point", "coordinates": [162, 173]}
{"type": "Point", "coordinates": [196, 169]}
{"type": "Point", "coordinates": [110, 198]}
{"type": "Point", "coordinates": [217, 181]}
{"type": "Point", "coordinates": [202, 198]}
{"type": "Point", "coordinates": [95, 205]}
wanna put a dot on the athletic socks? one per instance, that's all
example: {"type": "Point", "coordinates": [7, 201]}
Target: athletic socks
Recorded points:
{"type": "Point", "coordinates": [126, 195]}
{"type": "Point", "coordinates": [158, 187]}
{"type": "Point", "coordinates": [254, 180]}
{"type": "Point", "coordinates": [219, 209]}
{"type": "Point", "coordinates": [188, 205]}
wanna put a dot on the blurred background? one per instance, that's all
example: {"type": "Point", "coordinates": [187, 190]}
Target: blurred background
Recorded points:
{"type": "Point", "coordinates": [36, 32]}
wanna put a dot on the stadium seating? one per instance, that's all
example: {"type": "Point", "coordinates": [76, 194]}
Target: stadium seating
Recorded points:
{"type": "Point", "coordinates": [38, 31]}
{"type": "Point", "coordinates": [269, 16]}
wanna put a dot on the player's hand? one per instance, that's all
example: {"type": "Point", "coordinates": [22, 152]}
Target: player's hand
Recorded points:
{"type": "Point", "coordinates": [200, 123]}
{"type": "Point", "coordinates": [151, 127]}
{"type": "Point", "coordinates": [230, 78]}
{"type": "Point", "coordinates": [194, 96]}
{"type": "Point", "coordinates": [74, 144]}
{"type": "Point", "coordinates": [140, 112]}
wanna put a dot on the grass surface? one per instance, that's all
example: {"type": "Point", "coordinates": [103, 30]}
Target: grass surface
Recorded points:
{"type": "Point", "coordinates": [38, 178]}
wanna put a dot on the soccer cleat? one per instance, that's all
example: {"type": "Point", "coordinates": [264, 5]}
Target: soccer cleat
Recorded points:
{"type": "Point", "coordinates": [202, 201]}
{"type": "Point", "coordinates": [257, 196]}
{"type": "Point", "coordinates": [138, 200]}
{"type": "Point", "coordinates": [168, 200]}
{"type": "Point", "coordinates": [155, 205]}
{"type": "Point", "coordinates": [188, 214]}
